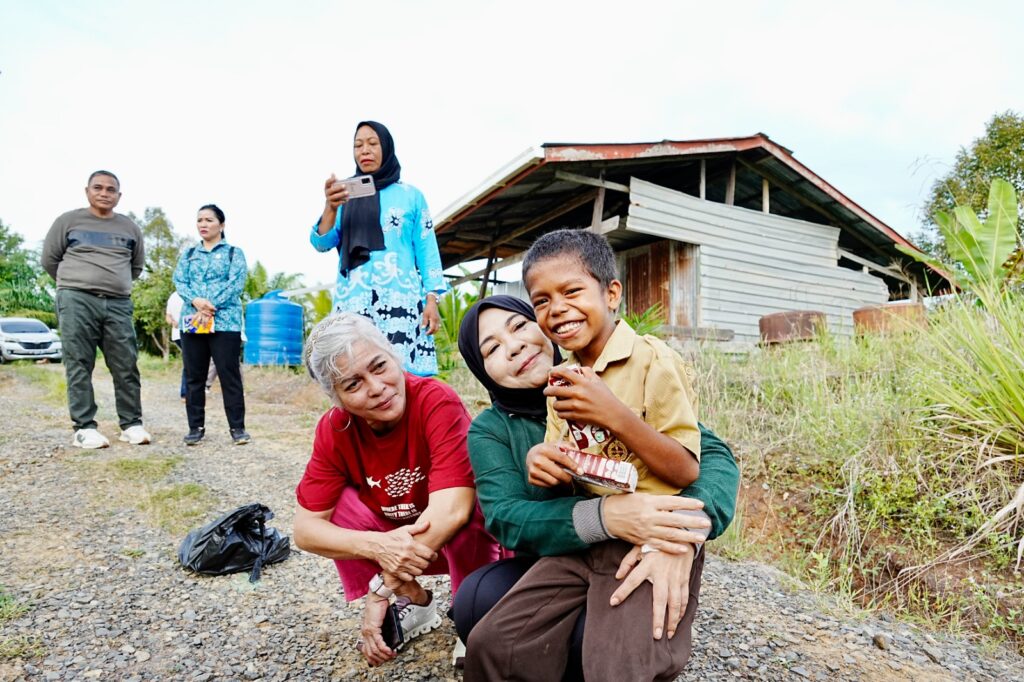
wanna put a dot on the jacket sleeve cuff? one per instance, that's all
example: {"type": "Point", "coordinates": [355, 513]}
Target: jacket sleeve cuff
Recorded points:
{"type": "Point", "coordinates": [587, 521]}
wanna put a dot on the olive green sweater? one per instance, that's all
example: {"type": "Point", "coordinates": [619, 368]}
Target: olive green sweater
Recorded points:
{"type": "Point", "coordinates": [539, 521]}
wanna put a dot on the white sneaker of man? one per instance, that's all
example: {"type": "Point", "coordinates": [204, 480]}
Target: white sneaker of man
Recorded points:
{"type": "Point", "coordinates": [136, 435]}
{"type": "Point", "coordinates": [90, 439]}
{"type": "Point", "coordinates": [417, 620]}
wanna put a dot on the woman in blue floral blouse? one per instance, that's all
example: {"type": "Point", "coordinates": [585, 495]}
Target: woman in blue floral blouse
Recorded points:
{"type": "Point", "coordinates": [209, 278]}
{"type": "Point", "coordinates": [390, 268]}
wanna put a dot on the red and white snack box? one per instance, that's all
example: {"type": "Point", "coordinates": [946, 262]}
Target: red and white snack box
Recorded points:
{"type": "Point", "coordinates": [603, 471]}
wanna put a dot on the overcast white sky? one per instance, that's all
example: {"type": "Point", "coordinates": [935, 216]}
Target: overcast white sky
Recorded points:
{"type": "Point", "coordinates": [252, 104]}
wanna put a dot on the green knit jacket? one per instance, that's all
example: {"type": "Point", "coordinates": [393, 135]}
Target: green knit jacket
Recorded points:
{"type": "Point", "coordinates": [538, 521]}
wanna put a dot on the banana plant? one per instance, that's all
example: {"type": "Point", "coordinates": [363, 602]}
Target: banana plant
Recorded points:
{"type": "Point", "coordinates": [980, 249]}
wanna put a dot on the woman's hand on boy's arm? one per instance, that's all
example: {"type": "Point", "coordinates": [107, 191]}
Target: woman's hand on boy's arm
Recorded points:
{"type": "Point", "coordinates": [546, 466]}
{"type": "Point", "coordinates": [642, 518]}
{"type": "Point", "coordinates": [669, 575]}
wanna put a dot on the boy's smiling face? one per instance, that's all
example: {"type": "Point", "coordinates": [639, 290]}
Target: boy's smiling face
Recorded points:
{"type": "Point", "coordinates": [573, 309]}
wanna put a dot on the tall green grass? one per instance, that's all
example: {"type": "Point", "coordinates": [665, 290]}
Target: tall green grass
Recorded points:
{"type": "Point", "coordinates": [883, 455]}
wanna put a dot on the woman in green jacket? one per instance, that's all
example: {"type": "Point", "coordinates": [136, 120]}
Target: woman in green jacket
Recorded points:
{"type": "Point", "coordinates": [534, 522]}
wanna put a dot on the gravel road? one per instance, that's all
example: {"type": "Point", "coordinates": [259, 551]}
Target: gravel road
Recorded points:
{"type": "Point", "coordinates": [94, 576]}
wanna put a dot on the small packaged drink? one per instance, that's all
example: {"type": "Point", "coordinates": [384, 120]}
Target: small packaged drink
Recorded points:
{"type": "Point", "coordinates": [606, 472]}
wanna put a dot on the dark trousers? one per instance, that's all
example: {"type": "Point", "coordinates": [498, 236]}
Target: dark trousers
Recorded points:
{"type": "Point", "coordinates": [224, 348]}
{"type": "Point", "coordinates": [88, 322]}
{"type": "Point", "coordinates": [526, 635]}
{"type": "Point", "coordinates": [485, 587]}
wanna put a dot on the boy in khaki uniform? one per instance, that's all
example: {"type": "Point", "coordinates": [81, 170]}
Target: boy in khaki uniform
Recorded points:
{"type": "Point", "coordinates": [634, 395]}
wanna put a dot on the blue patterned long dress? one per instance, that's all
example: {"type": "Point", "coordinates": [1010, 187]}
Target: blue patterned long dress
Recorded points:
{"type": "Point", "coordinates": [391, 288]}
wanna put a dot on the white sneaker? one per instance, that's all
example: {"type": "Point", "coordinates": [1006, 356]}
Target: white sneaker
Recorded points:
{"type": "Point", "coordinates": [459, 654]}
{"type": "Point", "coordinates": [136, 435]}
{"type": "Point", "coordinates": [416, 620]}
{"type": "Point", "coordinates": [90, 439]}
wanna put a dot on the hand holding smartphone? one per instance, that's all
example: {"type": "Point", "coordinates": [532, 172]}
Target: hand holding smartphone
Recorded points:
{"type": "Point", "coordinates": [359, 186]}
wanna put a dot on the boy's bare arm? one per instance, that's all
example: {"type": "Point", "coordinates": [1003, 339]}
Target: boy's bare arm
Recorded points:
{"type": "Point", "coordinates": [590, 401]}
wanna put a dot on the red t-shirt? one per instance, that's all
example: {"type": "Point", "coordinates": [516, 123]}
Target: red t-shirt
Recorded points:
{"type": "Point", "coordinates": [394, 472]}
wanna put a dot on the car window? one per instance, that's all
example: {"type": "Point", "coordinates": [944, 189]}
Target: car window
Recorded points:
{"type": "Point", "coordinates": [24, 327]}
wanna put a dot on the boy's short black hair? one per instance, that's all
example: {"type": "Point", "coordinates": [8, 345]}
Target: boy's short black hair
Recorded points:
{"type": "Point", "coordinates": [591, 249]}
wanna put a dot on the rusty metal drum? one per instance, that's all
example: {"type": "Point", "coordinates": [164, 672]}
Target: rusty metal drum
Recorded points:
{"type": "Point", "coordinates": [792, 325]}
{"type": "Point", "coordinates": [899, 316]}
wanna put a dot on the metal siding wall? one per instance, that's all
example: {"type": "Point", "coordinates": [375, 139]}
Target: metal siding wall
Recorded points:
{"type": "Point", "coordinates": [753, 264]}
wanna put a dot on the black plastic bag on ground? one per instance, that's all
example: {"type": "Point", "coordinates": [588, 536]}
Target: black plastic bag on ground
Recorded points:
{"type": "Point", "coordinates": [239, 541]}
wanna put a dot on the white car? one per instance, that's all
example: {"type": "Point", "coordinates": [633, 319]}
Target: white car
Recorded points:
{"type": "Point", "coordinates": [22, 338]}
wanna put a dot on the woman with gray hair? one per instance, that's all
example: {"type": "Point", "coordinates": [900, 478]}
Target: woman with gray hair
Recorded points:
{"type": "Point", "coordinates": [388, 492]}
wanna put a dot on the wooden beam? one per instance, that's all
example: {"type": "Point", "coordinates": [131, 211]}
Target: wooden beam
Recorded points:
{"type": "Point", "coordinates": [817, 208]}
{"type": "Point", "coordinates": [503, 263]}
{"type": "Point", "coordinates": [699, 333]}
{"type": "Point", "coordinates": [616, 222]}
{"type": "Point", "coordinates": [765, 198]}
{"type": "Point", "coordinates": [871, 265]}
{"type": "Point", "coordinates": [703, 178]}
{"type": "Point", "coordinates": [791, 190]}
{"type": "Point", "coordinates": [487, 270]}
{"type": "Point", "coordinates": [570, 205]}
{"type": "Point", "coordinates": [730, 189]}
{"type": "Point", "coordinates": [593, 182]}
{"type": "Point", "coordinates": [595, 219]}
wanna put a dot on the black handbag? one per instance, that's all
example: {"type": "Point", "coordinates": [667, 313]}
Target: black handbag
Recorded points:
{"type": "Point", "coordinates": [238, 541]}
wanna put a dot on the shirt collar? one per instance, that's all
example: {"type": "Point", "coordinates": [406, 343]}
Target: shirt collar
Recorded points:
{"type": "Point", "coordinates": [222, 242]}
{"type": "Point", "coordinates": [619, 346]}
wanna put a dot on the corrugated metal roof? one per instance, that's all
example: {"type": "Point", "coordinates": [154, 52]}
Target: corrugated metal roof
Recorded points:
{"type": "Point", "coordinates": [528, 197]}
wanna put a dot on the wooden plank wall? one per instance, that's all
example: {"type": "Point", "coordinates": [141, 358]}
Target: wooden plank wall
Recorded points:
{"type": "Point", "coordinates": [752, 264]}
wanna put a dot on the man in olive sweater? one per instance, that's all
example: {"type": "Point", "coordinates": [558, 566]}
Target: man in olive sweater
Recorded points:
{"type": "Point", "coordinates": [94, 255]}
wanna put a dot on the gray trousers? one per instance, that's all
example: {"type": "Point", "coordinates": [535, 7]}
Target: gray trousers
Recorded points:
{"type": "Point", "coordinates": [526, 635]}
{"type": "Point", "coordinates": [88, 322]}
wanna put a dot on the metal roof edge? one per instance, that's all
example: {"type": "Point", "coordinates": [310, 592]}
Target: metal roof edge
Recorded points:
{"type": "Point", "coordinates": [532, 156]}
{"type": "Point", "coordinates": [787, 157]}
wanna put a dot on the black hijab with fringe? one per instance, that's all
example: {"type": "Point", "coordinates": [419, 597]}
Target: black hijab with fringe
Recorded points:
{"type": "Point", "coordinates": [361, 232]}
{"type": "Point", "coordinates": [523, 402]}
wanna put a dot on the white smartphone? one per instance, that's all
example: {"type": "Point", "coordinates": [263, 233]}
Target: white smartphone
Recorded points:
{"type": "Point", "coordinates": [359, 186]}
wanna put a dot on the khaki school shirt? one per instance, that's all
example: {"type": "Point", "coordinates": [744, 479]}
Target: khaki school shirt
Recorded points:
{"type": "Point", "coordinates": [652, 380]}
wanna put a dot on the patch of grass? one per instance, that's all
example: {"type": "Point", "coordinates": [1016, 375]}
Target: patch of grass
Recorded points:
{"type": "Point", "coordinates": [177, 508]}
{"type": "Point", "coordinates": [50, 378]}
{"type": "Point", "coordinates": [142, 470]}
{"type": "Point", "coordinates": [9, 607]}
{"type": "Point", "coordinates": [20, 647]}
{"type": "Point", "coordinates": [155, 364]}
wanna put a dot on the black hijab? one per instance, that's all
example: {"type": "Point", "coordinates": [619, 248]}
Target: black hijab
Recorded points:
{"type": "Point", "coordinates": [360, 220]}
{"type": "Point", "coordinates": [524, 402]}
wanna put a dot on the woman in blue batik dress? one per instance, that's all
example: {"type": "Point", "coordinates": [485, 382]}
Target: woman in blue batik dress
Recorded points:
{"type": "Point", "coordinates": [390, 268]}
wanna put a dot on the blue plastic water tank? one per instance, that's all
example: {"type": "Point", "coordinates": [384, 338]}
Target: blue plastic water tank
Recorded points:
{"type": "Point", "coordinates": [273, 327]}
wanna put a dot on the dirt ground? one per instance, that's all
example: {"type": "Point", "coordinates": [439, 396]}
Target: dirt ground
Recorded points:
{"type": "Point", "coordinates": [90, 587]}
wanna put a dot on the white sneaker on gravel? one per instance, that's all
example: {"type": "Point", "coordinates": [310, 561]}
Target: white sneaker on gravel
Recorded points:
{"type": "Point", "coordinates": [459, 654]}
{"type": "Point", "coordinates": [90, 439]}
{"type": "Point", "coordinates": [136, 435]}
{"type": "Point", "coordinates": [416, 620]}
